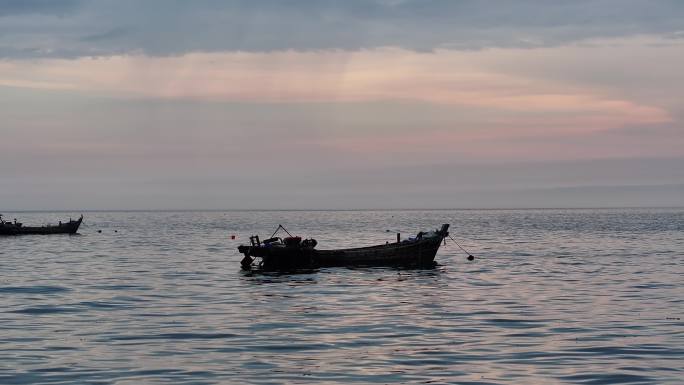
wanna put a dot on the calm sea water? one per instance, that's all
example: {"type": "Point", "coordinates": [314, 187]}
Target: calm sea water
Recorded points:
{"type": "Point", "coordinates": [554, 296]}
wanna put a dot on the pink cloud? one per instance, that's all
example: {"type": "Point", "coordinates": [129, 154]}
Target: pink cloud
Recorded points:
{"type": "Point", "coordinates": [511, 104]}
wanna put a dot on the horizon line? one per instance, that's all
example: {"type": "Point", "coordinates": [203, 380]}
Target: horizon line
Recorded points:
{"type": "Point", "coordinates": [339, 209]}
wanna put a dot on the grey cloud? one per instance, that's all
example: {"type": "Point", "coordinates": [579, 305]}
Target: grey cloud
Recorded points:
{"type": "Point", "coordinates": [49, 7]}
{"type": "Point", "coordinates": [172, 27]}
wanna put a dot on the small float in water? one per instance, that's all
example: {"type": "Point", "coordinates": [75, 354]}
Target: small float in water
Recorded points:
{"type": "Point", "coordinates": [17, 228]}
{"type": "Point", "coordinates": [294, 253]}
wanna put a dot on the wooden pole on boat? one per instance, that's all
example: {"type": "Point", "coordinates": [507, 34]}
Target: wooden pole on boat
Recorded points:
{"type": "Point", "coordinates": [398, 237]}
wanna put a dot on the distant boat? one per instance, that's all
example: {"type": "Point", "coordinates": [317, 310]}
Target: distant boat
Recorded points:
{"type": "Point", "coordinates": [17, 228]}
{"type": "Point", "coordinates": [293, 252]}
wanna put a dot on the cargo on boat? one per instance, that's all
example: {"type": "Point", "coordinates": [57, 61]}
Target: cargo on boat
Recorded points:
{"type": "Point", "coordinates": [293, 252]}
{"type": "Point", "coordinates": [17, 228]}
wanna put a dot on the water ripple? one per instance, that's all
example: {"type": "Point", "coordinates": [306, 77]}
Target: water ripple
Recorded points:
{"type": "Point", "coordinates": [33, 290]}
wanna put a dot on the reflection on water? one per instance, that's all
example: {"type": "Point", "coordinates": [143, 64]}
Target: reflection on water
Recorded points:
{"type": "Point", "coordinates": [554, 296]}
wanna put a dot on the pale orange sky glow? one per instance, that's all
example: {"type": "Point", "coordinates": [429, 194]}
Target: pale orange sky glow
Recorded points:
{"type": "Point", "coordinates": [516, 105]}
{"type": "Point", "coordinates": [443, 77]}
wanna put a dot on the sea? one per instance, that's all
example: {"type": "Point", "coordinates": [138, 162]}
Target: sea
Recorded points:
{"type": "Point", "coordinates": [553, 296]}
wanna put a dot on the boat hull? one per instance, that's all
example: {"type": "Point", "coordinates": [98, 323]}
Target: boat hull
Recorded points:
{"type": "Point", "coordinates": [70, 227]}
{"type": "Point", "coordinates": [420, 252]}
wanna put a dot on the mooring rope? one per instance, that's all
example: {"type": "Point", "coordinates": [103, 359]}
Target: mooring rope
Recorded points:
{"type": "Point", "coordinates": [470, 256]}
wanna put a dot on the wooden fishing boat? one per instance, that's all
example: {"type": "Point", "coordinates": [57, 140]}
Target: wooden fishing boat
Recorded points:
{"type": "Point", "coordinates": [294, 253]}
{"type": "Point", "coordinates": [17, 228]}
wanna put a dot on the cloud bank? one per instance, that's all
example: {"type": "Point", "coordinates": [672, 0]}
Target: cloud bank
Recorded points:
{"type": "Point", "coordinates": [71, 28]}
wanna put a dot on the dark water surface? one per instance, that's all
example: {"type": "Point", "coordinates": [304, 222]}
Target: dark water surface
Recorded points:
{"type": "Point", "coordinates": [554, 296]}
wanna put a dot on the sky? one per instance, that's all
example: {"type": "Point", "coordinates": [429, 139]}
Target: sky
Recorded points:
{"type": "Point", "coordinates": [302, 104]}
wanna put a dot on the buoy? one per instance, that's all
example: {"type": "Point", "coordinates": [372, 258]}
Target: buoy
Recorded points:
{"type": "Point", "coordinates": [232, 237]}
{"type": "Point", "coordinates": [99, 231]}
{"type": "Point", "coordinates": [470, 258]}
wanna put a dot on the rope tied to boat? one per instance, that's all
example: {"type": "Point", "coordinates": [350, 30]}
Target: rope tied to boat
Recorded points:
{"type": "Point", "coordinates": [278, 229]}
{"type": "Point", "coordinates": [470, 256]}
